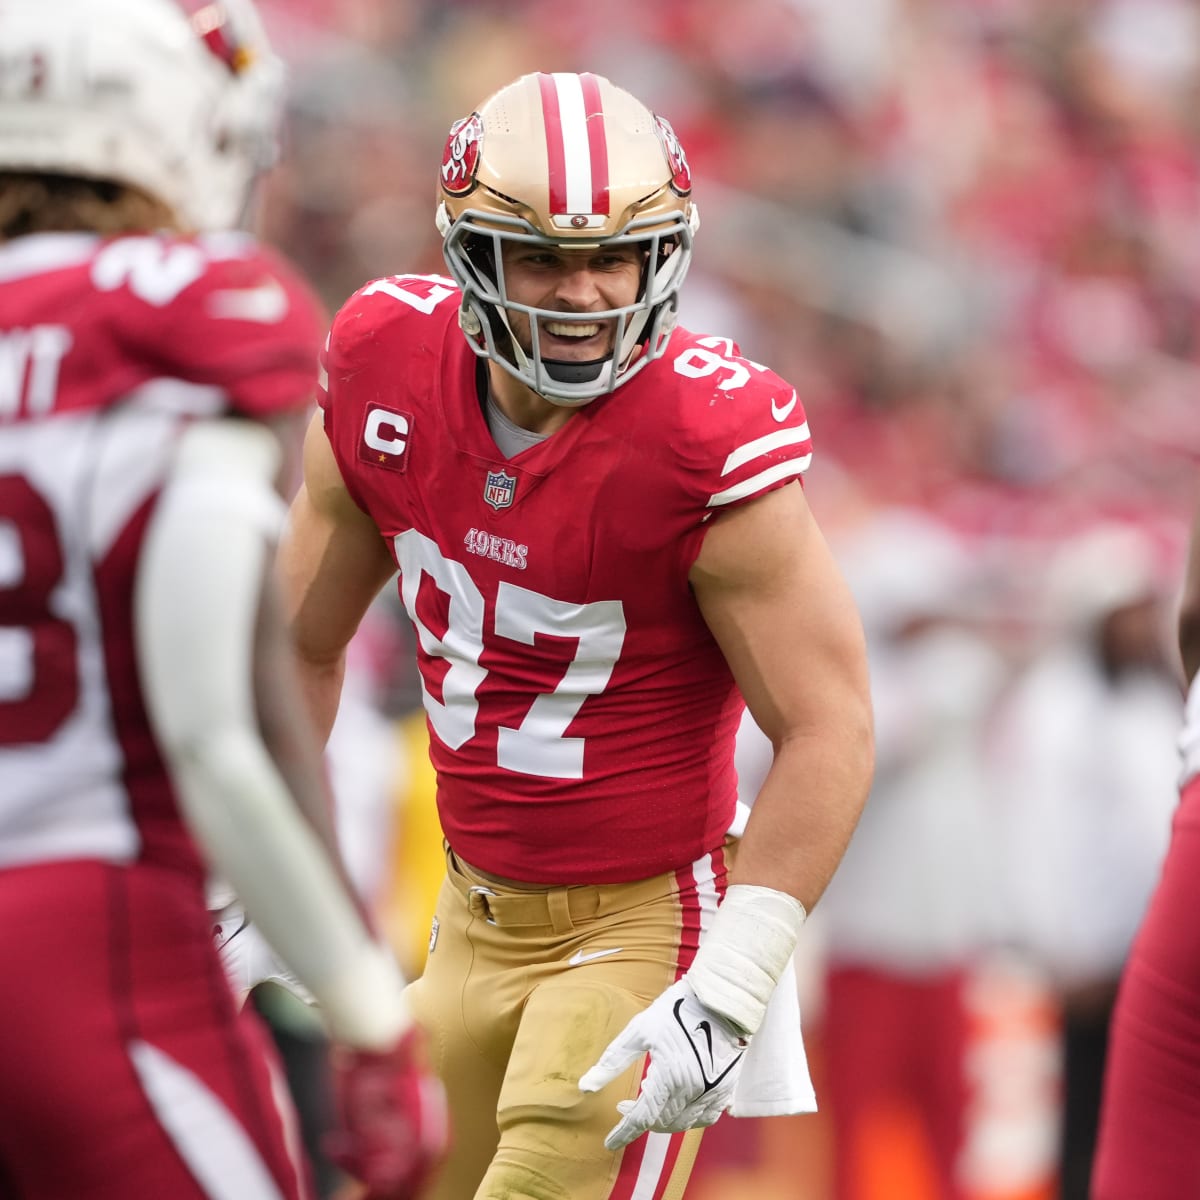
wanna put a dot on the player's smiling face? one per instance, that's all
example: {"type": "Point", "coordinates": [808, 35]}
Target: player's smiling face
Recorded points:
{"type": "Point", "coordinates": [574, 283]}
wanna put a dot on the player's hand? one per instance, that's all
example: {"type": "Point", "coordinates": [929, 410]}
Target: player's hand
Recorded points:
{"type": "Point", "coordinates": [392, 1123]}
{"type": "Point", "coordinates": [246, 957]}
{"type": "Point", "coordinates": [695, 1059]}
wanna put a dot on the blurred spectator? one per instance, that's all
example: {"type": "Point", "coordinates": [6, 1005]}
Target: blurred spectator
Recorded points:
{"type": "Point", "coordinates": [915, 906]}
{"type": "Point", "coordinates": [1086, 776]}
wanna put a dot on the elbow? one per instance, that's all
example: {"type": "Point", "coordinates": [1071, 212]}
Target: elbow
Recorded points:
{"type": "Point", "coordinates": [862, 738]}
{"type": "Point", "coordinates": [205, 753]}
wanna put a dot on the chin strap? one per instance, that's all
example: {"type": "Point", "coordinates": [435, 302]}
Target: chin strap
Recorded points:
{"type": "Point", "coordinates": [576, 372]}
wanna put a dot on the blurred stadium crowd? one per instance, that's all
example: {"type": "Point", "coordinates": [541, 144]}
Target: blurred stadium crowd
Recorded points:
{"type": "Point", "coordinates": [969, 231]}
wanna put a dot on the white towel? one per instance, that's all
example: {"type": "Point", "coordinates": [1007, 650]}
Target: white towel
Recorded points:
{"type": "Point", "coordinates": [774, 1080]}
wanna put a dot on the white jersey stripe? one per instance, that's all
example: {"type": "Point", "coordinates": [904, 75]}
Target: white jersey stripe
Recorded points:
{"type": "Point", "coordinates": [131, 460]}
{"type": "Point", "coordinates": [785, 470]}
{"type": "Point", "coordinates": [209, 1138]}
{"type": "Point", "coordinates": [577, 154]}
{"type": "Point", "coordinates": [654, 1158]}
{"type": "Point", "coordinates": [764, 445]}
{"type": "Point", "coordinates": [706, 890]}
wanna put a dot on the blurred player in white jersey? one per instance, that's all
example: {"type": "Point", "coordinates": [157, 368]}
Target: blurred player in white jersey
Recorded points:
{"type": "Point", "coordinates": [604, 546]}
{"type": "Point", "coordinates": [151, 364]}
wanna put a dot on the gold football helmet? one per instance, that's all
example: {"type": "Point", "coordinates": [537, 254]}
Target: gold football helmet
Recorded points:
{"type": "Point", "coordinates": [570, 161]}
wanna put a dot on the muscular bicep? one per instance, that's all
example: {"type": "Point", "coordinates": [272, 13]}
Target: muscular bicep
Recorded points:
{"type": "Point", "coordinates": [332, 560]}
{"type": "Point", "coordinates": [777, 604]}
{"type": "Point", "coordinates": [331, 564]}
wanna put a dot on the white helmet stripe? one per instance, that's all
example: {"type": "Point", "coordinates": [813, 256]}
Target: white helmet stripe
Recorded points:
{"type": "Point", "coordinates": [575, 146]}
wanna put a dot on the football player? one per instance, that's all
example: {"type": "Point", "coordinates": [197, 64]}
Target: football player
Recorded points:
{"type": "Point", "coordinates": [603, 545]}
{"type": "Point", "coordinates": [150, 359]}
{"type": "Point", "coordinates": [1149, 1139]}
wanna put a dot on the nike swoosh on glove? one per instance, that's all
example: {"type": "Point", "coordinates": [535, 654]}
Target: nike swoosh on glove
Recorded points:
{"type": "Point", "coordinates": [392, 1125]}
{"type": "Point", "coordinates": [695, 1059]}
{"type": "Point", "coordinates": [247, 958]}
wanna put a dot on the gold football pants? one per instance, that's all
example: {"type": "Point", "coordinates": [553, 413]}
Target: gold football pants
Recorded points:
{"type": "Point", "coordinates": [522, 991]}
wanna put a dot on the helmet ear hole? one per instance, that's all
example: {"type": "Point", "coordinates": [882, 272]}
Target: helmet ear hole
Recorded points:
{"type": "Point", "coordinates": [481, 252]}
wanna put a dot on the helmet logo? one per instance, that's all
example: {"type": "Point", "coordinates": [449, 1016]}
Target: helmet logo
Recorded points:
{"type": "Point", "coordinates": [211, 21]}
{"type": "Point", "coordinates": [681, 173]}
{"type": "Point", "coordinates": [460, 159]}
{"type": "Point", "coordinates": [579, 221]}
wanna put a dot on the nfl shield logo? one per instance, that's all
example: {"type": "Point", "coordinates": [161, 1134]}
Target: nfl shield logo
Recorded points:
{"type": "Point", "coordinates": [499, 488]}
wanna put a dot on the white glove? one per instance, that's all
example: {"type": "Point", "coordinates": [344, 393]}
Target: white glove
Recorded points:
{"type": "Point", "coordinates": [247, 958]}
{"type": "Point", "coordinates": [695, 1059]}
{"type": "Point", "coordinates": [697, 1031]}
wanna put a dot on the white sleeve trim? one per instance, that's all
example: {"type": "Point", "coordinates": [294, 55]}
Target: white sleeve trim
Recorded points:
{"type": "Point", "coordinates": [764, 479]}
{"type": "Point", "coordinates": [764, 445]}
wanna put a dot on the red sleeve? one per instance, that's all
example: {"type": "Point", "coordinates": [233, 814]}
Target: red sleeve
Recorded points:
{"type": "Point", "coordinates": [358, 373]}
{"type": "Point", "coordinates": [247, 324]}
{"type": "Point", "coordinates": [335, 397]}
{"type": "Point", "coordinates": [747, 432]}
{"type": "Point", "coordinates": [770, 446]}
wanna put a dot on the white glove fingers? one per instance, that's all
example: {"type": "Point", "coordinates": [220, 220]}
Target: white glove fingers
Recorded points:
{"type": "Point", "coordinates": [622, 1052]}
{"type": "Point", "coordinates": [695, 1057]}
{"type": "Point", "coordinates": [625, 1132]}
{"type": "Point", "coordinates": [654, 1103]}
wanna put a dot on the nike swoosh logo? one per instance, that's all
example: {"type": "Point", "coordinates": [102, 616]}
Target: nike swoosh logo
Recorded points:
{"type": "Point", "coordinates": [579, 956]}
{"type": "Point", "coordinates": [709, 1084]}
{"type": "Point", "coordinates": [266, 304]}
{"type": "Point", "coordinates": [222, 943]}
{"type": "Point", "coordinates": [782, 412]}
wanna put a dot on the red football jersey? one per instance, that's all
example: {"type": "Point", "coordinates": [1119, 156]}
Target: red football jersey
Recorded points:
{"type": "Point", "coordinates": [580, 712]}
{"type": "Point", "coordinates": [107, 346]}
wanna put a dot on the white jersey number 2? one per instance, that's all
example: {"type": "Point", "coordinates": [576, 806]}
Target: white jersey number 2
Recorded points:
{"type": "Point", "coordinates": [539, 746]}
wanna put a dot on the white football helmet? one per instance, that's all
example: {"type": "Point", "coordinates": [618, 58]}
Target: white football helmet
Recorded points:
{"type": "Point", "coordinates": [180, 98]}
{"type": "Point", "coordinates": [570, 161]}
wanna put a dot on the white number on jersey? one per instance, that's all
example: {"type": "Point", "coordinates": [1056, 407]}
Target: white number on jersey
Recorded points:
{"type": "Point", "coordinates": [695, 363]}
{"type": "Point", "coordinates": [422, 292]}
{"type": "Point", "coordinates": [153, 270]}
{"type": "Point", "coordinates": [45, 690]}
{"type": "Point", "coordinates": [539, 745]}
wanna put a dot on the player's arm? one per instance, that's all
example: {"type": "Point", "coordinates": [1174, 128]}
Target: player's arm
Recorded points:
{"type": "Point", "coordinates": [332, 563]}
{"type": "Point", "coordinates": [1189, 608]}
{"type": "Point", "coordinates": [774, 599]}
{"type": "Point", "coordinates": [210, 640]}
{"type": "Point", "coordinates": [206, 634]}
{"type": "Point", "coordinates": [770, 592]}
